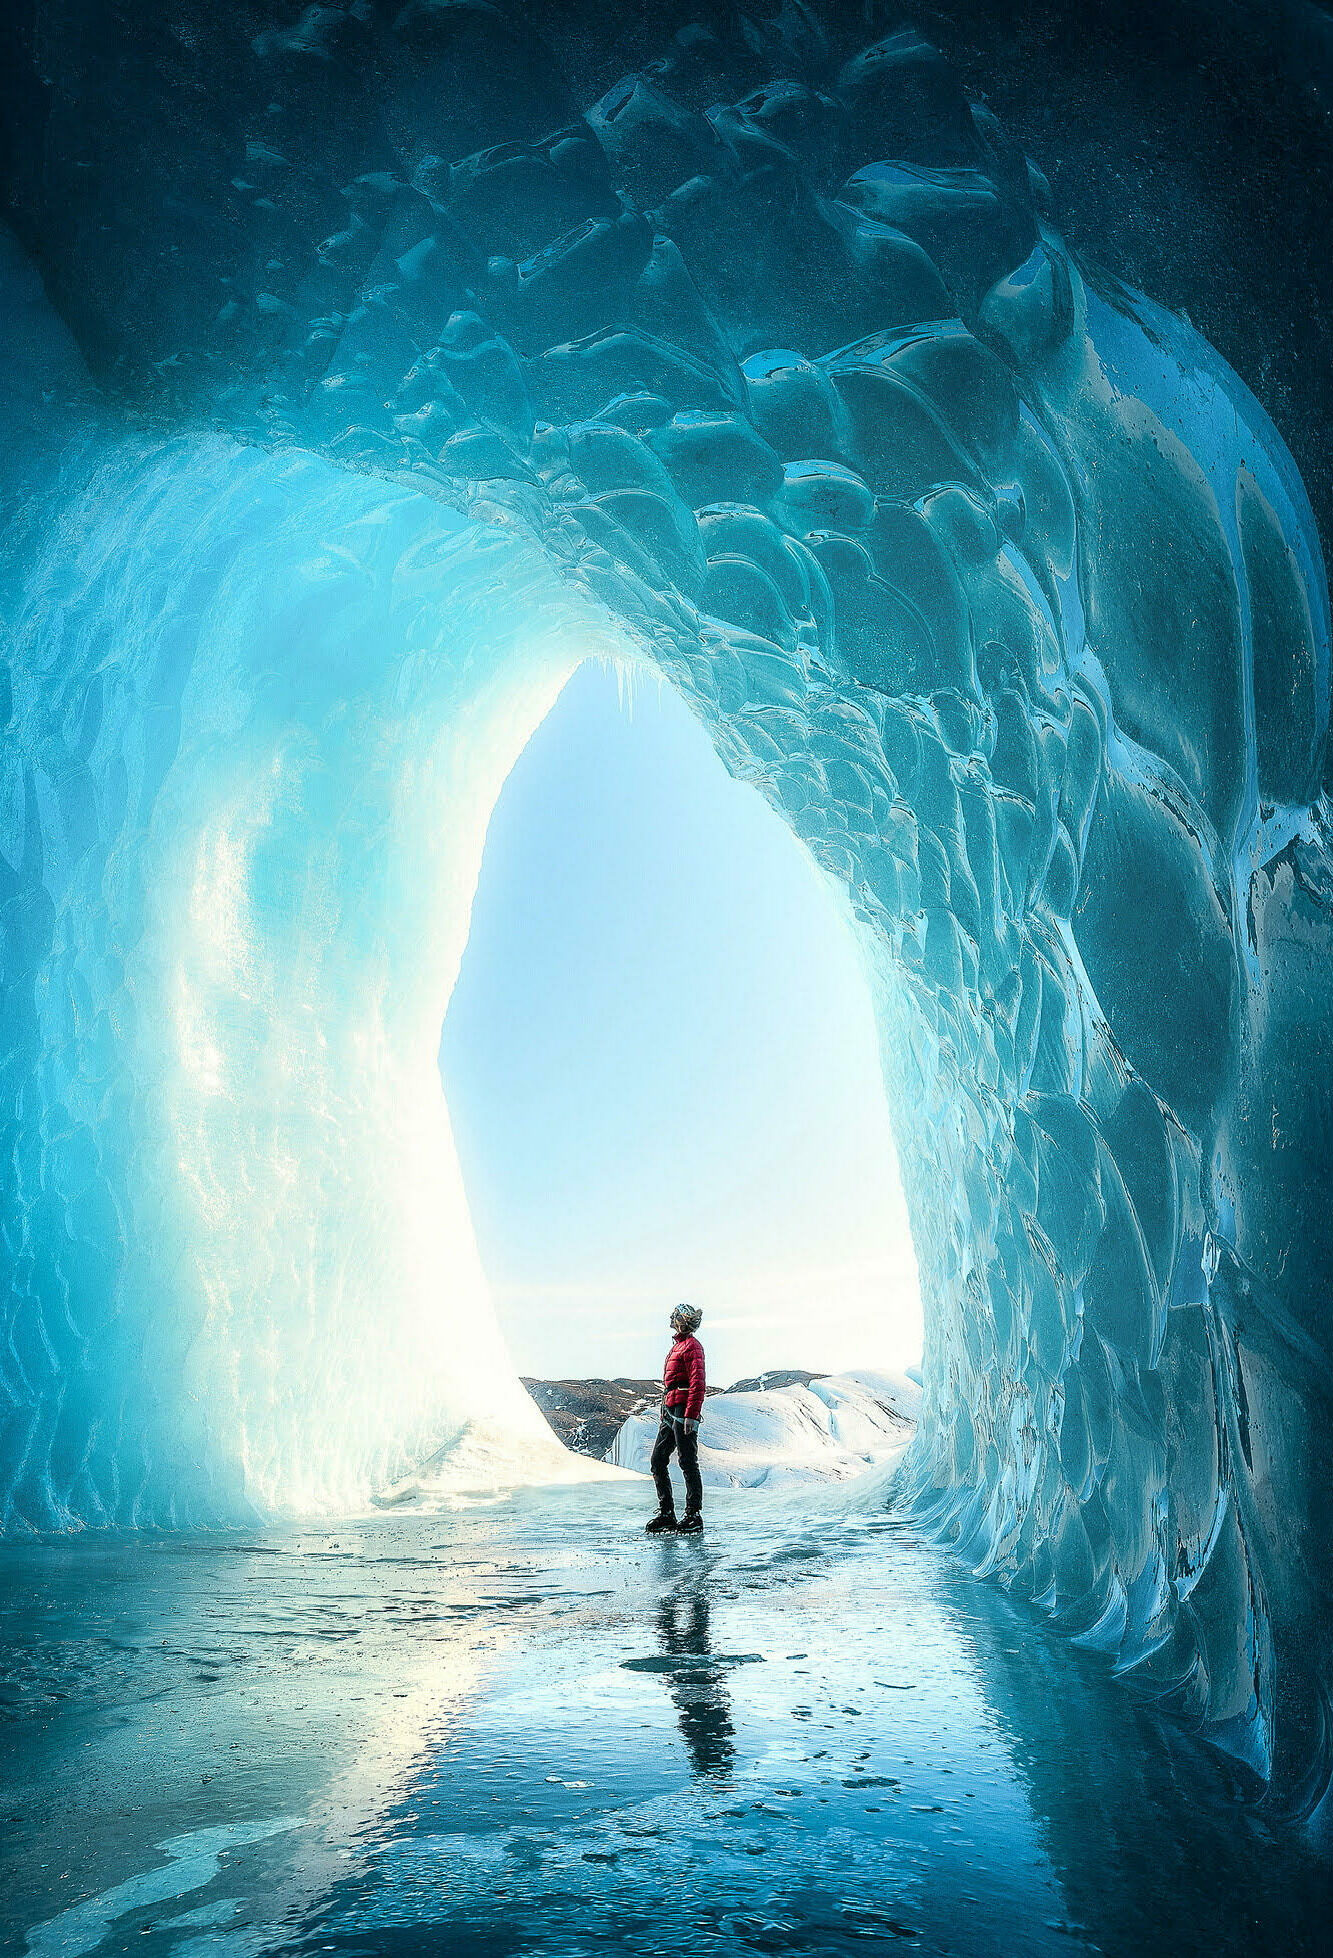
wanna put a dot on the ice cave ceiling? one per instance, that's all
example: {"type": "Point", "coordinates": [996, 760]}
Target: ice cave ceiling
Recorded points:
{"type": "Point", "coordinates": [368, 365]}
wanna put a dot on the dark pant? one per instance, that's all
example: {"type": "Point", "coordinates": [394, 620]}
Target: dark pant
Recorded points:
{"type": "Point", "coordinates": [672, 1435]}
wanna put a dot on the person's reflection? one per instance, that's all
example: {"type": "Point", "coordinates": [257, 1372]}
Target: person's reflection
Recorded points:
{"type": "Point", "coordinates": [703, 1706]}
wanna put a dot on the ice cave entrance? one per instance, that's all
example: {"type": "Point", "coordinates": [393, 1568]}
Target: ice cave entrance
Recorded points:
{"type": "Point", "coordinates": [661, 1062]}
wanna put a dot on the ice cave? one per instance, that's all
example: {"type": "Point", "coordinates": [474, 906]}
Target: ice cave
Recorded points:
{"type": "Point", "coordinates": [371, 365]}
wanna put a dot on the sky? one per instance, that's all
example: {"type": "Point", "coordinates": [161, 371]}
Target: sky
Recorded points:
{"type": "Point", "coordinates": [660, 1062]}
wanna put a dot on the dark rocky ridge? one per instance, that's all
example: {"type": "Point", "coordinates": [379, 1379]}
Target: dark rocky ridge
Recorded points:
{"type": "Point", "coordinates": [588, 1414]}
{"type": "Point", "coordinates": [761, 1383]}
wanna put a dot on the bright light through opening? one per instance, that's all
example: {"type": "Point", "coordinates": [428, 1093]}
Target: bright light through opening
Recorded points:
{"type": "Point", "coordinates": [661, 1064]}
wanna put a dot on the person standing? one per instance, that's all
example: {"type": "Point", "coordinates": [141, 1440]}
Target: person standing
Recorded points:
{"type": "Point", "coordinates": [682, 1410]}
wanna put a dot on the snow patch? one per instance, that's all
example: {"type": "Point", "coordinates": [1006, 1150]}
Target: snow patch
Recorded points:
{"type": "Point", "coordinates": [487, 1462]}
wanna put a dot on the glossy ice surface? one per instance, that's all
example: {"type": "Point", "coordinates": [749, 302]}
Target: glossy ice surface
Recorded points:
{"type": "Point", "coordinates": [527, 1728]}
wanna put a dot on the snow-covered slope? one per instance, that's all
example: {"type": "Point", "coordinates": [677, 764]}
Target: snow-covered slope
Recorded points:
{"type": "Point", "coordinates": [836, 1427]}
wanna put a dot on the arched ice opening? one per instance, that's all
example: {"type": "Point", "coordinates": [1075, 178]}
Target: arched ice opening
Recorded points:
{"type": "Point", "coordinates": [661, 1064]}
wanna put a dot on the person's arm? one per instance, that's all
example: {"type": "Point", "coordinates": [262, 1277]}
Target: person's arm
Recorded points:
{"type": "Point", "coordinates": [694, 1405]}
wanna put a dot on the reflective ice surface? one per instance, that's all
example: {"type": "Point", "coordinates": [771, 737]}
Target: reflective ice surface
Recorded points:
{"type": "Point", "coordinates": [525, 1727]}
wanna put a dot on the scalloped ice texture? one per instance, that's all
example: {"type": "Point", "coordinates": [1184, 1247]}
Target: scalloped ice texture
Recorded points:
{"type": "Point", "coordinates": [1005, 593]}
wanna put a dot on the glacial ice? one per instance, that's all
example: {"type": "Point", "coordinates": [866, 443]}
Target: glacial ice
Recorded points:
{"type": "Point", "coordinates": [411, 385]}
{"type": "Point", "coordinates": [243, 1271]}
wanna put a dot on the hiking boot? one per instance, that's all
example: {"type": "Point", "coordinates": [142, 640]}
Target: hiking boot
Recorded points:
{"type": "Point", "coordinates": [690, 1523]}
{"type": "Point", "coordinates": [665, 1519]}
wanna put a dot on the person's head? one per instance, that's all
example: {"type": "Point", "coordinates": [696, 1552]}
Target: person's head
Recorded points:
{"type": "Point", "coordinates": [685, 1319]}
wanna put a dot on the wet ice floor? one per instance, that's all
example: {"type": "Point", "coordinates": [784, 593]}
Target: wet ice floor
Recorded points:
{"type": "Point", "coordinates": [527, 1729]}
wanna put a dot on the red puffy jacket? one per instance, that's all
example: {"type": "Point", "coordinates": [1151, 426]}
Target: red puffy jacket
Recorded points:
{"type": "Point", "coordinates": [683, 1378]}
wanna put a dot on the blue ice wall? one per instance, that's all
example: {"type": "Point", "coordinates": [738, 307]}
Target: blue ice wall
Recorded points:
{"type": "Point", "coordinates": [259, 709]}
{"type": "Point", "coordinates": [997, 582]}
